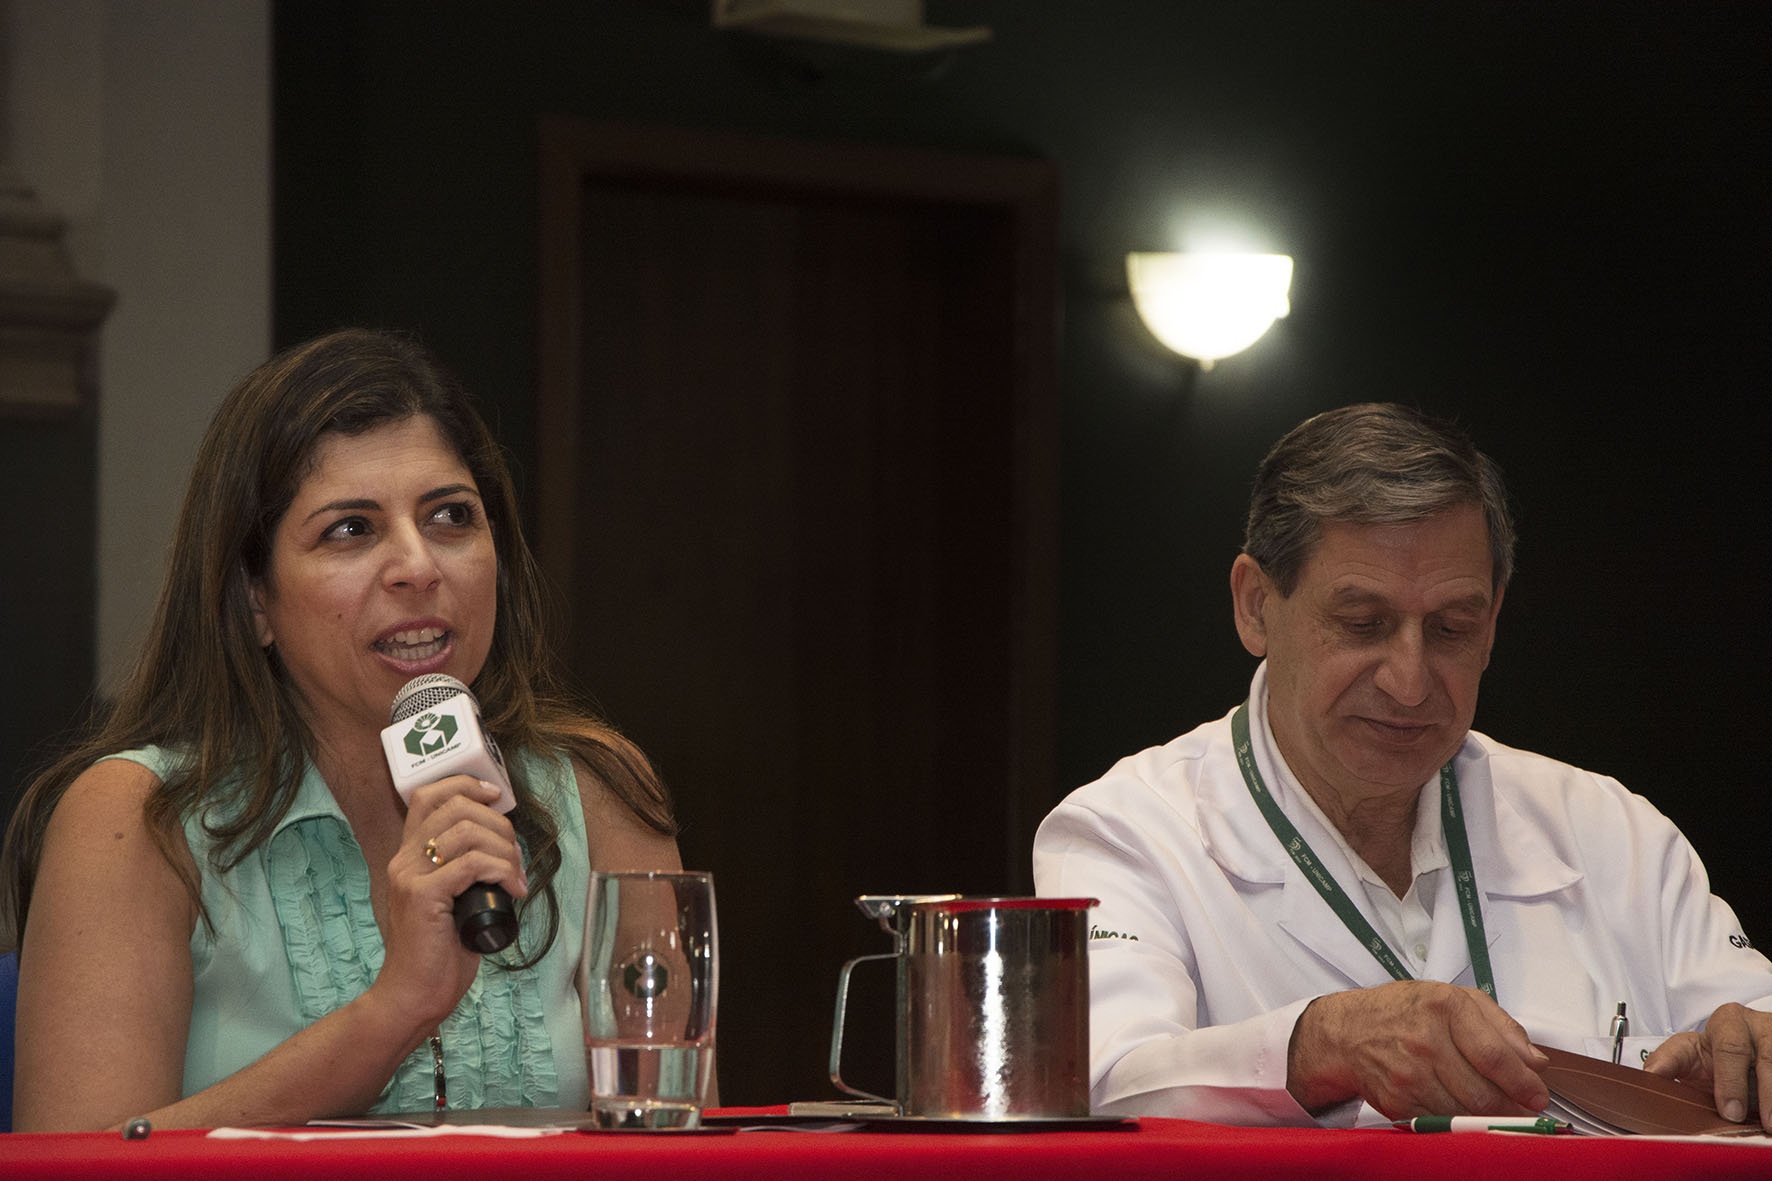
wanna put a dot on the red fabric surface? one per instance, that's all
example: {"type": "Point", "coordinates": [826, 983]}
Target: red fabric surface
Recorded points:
{"type": "Point", "coordinates": [1154, 1148]}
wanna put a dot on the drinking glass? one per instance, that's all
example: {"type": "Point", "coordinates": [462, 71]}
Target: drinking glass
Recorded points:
{"type": "Point", "coordinates": [652, 972]}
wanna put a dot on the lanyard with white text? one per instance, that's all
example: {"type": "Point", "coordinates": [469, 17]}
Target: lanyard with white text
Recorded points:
{"type": "Point", "coordinates": [1457, 844]}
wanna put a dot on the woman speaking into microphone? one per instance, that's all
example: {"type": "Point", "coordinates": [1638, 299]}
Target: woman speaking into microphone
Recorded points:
{"type": "Point", "coordinates": [226, 913]}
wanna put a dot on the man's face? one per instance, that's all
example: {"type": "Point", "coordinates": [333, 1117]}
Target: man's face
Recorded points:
{"type": "Point", "coordinates": [1374, 659]}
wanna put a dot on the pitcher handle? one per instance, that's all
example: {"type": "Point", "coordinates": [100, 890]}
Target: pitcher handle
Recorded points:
{"type": "Point", "coordinates": [837, 1029]}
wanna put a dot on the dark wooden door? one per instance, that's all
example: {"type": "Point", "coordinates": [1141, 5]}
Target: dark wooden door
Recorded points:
{"type": "Point", "coordinates": [797, 486]}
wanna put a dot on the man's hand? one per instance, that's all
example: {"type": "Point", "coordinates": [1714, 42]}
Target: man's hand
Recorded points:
{"type": "Point", "coordinates": [1415, 1048]}
{"type": "Point", "coordinates": [1733, 1057]}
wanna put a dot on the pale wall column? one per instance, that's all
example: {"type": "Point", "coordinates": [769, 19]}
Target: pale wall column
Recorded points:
{"type": "Point", "coordinates": [54, 76]}
{"type": "Point", "coordinates": [147, 123]}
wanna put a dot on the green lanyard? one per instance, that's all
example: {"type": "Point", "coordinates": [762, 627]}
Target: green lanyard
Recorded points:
{"type": "Point", "coordinates": [1457, 843]}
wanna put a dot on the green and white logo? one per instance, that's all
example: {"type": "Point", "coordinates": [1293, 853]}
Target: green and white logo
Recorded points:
{"type": "Point", "coordinates": [431, 734]}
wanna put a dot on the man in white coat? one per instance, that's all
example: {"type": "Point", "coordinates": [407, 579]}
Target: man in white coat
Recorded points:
{"type": "Point", "coordinates": [1339, 904]}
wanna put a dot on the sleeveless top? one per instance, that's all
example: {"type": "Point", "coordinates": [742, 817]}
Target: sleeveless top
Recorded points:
{"type": "Point", "coordinates": [294, 938]}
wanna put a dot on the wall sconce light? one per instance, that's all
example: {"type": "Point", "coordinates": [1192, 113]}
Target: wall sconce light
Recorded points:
{"type": "Point", "coordinates": [1209, 306]}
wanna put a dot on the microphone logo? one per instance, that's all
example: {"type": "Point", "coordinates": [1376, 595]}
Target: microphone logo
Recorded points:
{"type": "Point", "coordinates": [430, 735]}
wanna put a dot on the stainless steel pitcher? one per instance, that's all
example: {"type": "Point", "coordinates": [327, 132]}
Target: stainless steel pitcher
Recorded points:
{"type": "Point", "coordinates": [992, 1006]}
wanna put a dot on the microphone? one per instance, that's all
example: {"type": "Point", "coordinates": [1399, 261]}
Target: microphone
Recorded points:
{"type": "Point", "coordinates": [436, 732]}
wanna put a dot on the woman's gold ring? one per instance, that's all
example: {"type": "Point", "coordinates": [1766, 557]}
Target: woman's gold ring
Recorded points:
{"type": "Point", "coordinates": [431, 853]}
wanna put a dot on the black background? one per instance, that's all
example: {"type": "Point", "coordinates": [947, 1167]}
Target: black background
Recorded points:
{"type": "Point", "coordinates": [1549, 221]}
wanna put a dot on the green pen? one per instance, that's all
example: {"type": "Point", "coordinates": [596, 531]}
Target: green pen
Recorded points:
{"type": "Point", "coordinates": [1543, 1125]}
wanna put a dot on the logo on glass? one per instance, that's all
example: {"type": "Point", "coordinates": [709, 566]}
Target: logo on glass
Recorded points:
{"type": "Point", "coordinates": [645, 976]}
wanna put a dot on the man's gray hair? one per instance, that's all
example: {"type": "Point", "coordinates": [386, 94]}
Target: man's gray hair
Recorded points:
{"type": "Point", "coordinates": [1370, 464]}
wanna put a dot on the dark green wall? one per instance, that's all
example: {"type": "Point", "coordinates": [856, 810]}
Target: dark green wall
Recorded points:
{"type": "Point", "coordinates": [1548, 220]}
{"type": "Point", "coordinates": [48, 588]}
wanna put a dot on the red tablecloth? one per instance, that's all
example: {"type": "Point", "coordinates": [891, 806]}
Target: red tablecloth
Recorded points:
{"type": "Point", "coordinates": [1153, 1148]}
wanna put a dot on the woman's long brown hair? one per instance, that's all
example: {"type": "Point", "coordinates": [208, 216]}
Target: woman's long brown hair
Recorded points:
{"type": "Point", "coordinates": [203, 686]}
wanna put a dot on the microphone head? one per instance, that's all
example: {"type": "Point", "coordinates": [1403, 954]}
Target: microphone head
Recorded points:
{"type": "Point", "coordinates": [426, 692]}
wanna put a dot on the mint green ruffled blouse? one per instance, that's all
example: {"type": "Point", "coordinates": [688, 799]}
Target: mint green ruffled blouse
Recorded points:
{"type": "Point", "coordinates": [294, 939]}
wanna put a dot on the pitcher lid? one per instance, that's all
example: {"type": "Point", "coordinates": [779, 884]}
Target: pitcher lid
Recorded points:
{"type": "Point", "coordinates": [974, 902]}
{"type": "Point", "coordinates": [878, 905]}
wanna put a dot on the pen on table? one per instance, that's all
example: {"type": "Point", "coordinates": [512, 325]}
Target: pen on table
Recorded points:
{"type": "Point", "coordinates": [1544, 1125]}
{"type": "Point", "coordinates": [1620, 1027]}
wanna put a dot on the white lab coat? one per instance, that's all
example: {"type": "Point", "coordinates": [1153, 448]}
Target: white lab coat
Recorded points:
{"type": "Point", "coordinates": [1208, 941]}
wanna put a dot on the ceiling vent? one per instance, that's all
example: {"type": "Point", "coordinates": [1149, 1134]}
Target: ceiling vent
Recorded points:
{"type": "Point", "coordinates": [895, 25]}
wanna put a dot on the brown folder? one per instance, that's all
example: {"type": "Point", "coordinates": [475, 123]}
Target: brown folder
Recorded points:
{"type": "Point", "coordinates": [1624, 1100]}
